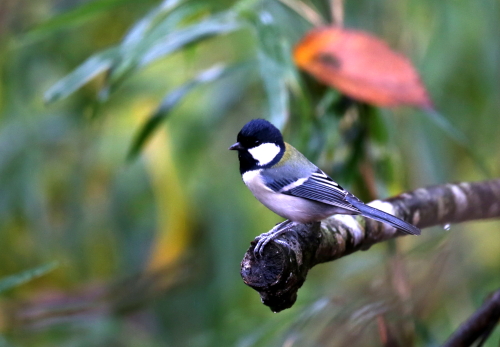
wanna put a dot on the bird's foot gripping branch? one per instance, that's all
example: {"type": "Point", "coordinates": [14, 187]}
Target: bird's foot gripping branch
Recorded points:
{"type": "Point", "coordinates": [279, 271]}
{"type": "Point", "coordinates": [282, 267]}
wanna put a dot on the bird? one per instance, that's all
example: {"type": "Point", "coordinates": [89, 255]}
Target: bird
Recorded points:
{"type": "Point", "coordinates": [291, 186]}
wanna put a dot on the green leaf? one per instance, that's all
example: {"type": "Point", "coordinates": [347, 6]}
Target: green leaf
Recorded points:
{"type": "Point", "coordinates": [454, 133]}
{"type": "Point", "coordinates": [123, 58]}
{"type": "Point", "coordinates": [92, 67]}
{"type": "Point", "coordinates": [273, 67]}
{"type": "Point", "coordinates": [218, 24]}
{"type": "Point", "coordinates": [26, 276]}
{"type": "Point", "coordinates": [327, 101]}
{"type": "Point", "coordinates": [138, 31]}
{"type": "Point", "coordinates": [148, 32]}
{"type": "Point", "coordinates": [171, 100]}
{"type": "Point", "coordinates": [276, 90]}
{"type": "Point", "coordinates": [73, 17]}
{"type": "Point", "coordinates": [152, 37]}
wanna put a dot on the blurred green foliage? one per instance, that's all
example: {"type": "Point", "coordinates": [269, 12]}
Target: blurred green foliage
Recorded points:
{"type": "Point", "coordinates": [149, 249]}
{"type": "Point", "coordinates": [24, 277]}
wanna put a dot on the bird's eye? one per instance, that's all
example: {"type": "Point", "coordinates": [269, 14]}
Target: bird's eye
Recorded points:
{"type": "Point", "coordinates": [256, 142]}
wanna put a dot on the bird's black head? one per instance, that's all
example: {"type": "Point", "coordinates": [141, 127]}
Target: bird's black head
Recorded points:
{"type": "Point", "coordinates": [260, 145]}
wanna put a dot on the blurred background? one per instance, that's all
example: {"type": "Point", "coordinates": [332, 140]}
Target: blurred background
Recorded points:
{"type": "Point", "coordinates": [123, 217]}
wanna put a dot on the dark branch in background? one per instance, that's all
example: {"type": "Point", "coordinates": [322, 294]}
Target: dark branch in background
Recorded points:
{"type": "Point", "coordinates": [479, 326]}
{"type": "Point", "coordinates": [281, 271]}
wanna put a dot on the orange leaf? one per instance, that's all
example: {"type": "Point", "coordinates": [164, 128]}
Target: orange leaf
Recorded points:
{"type": "Point", "coordinates": [361, 66]}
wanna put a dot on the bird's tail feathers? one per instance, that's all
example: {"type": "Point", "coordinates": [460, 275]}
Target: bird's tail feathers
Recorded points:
{"type": "Point", "coordinates": [383, 217]}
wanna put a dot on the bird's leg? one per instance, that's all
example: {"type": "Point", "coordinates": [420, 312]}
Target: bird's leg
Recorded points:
{"type": "Point", "coordinates": [276, 228]}
{"type": "Point", "coordinates": [263, 239]}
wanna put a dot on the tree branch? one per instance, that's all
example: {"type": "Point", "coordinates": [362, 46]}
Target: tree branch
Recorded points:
{"type": "Point", "coordinates": [479, 325]}
{"type": "Point", "coordinates": [281, 271]}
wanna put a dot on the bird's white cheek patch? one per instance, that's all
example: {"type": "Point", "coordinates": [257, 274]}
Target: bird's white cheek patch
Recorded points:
{"type": "Point", "coordinates": [264, 153]}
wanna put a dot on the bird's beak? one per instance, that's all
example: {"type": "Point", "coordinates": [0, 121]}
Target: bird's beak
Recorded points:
{"type": "Point", "coordinates": [237, 146]}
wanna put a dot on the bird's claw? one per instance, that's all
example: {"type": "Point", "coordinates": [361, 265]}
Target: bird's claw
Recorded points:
{"type": "Point", "coordinates": [265, 238]}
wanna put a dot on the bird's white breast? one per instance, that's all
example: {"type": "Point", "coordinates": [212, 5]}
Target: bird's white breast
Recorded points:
{"type": "Point", "coordinates": [286, 206]}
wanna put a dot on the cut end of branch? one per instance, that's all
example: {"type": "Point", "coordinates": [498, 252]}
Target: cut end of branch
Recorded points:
{"type": "Point", "coordinates": [280, 271]}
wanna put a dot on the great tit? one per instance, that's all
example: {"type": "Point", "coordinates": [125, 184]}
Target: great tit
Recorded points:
{"type": "Point", "coordinates": [288, 184]}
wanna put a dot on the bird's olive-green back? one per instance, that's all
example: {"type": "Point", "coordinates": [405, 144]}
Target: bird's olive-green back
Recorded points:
{"type": "Point", "coordinates": [293, 165]}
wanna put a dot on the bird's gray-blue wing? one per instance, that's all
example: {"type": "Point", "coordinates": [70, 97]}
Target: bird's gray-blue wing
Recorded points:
{"type": "Point", "coordinates": [318, 187]}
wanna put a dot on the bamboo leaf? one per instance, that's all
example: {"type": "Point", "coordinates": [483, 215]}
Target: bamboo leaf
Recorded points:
{"type": "Point", "coordinates": [73, 17]}
{"type": "Point", "coordinates": [458, 136]}
{"type": "Point", "coordinates": [136, 34]}
{"type": "Point", "coordinates": [170, 101]}
{"type": "Point", "coordinates": [26, 276]}
{"type": "Point", "coordinates": [275, 86]}
{"type": "Point", "coordinates": [272, 60]}
{"type": "Point", "coordinates": [92, 67]}
{"type": "Point", "coordinates": [148, 32]}
{"type": "Point", "coordinates": [152, 37]}
{"type": "Point", "coordinates": [218, 24]}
